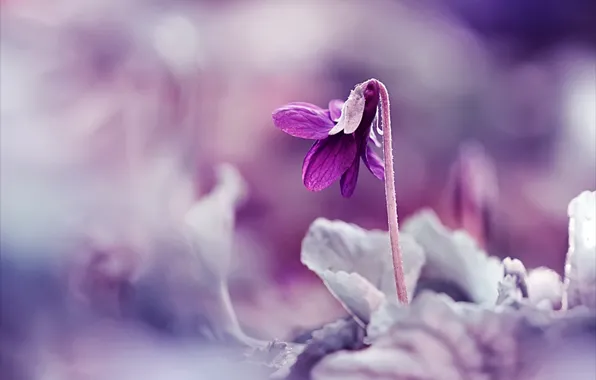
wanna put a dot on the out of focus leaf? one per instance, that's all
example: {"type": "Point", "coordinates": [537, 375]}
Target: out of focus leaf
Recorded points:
{"type": "Point", "coordinates": [430, 342]}
{"type": "Point", "coordinates": [580, 269]}
{"type": "Point", "coordinates": [333, 337]}
{"type": "Point", "coordinates": [210, 229]}
{"type": "Point", "coordinates": [438, 339]}
{"type": "Point", "coordinates": [513, 287]}
{"type": "Point", "coordinates": [545, 288]}
{"type": "Point", "coordinates": [277, 357]}
{"type": "Point", "coordinates": [541, 287]}
{"type": "Point", "coordinates": [210, 223]}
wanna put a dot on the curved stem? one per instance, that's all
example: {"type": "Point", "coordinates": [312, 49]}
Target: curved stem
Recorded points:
{"type": "Point", "coordinates": [390, 196]}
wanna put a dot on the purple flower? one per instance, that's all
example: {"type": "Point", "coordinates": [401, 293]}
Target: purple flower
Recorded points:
{"type": "Point", "coordinates": [335, 155]}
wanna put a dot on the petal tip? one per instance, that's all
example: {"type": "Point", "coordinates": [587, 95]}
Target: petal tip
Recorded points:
{"type": "Point", "coordinates": [302, 121]}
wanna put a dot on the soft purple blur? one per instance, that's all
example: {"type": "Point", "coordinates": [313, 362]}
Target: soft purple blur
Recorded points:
{"type": "Point", "coordinates": [113, 114]}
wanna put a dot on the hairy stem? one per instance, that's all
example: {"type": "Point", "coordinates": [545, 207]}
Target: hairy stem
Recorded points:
{"type": "Point", "coordinates": [390, 196]}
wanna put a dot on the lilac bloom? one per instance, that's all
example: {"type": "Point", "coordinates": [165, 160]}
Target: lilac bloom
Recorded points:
{"type": "Point", "coordinates": [342, 131]}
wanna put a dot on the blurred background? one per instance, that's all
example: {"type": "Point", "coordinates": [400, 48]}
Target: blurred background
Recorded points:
{"type": "Point", "coordinates": [114, 113]}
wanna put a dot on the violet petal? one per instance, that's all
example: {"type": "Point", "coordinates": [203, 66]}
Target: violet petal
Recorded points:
{"type": "Point", "coordinates": [304, 104]}
{"type": "Point", "coordinates": [327, 160]}
{"type": "Point", "coordinates": [375, 140]}
{"type": "Point", "coordinates": [303, 120]}
{"type": "Point", "coordinates": [335, 107]}
{"type": "Point", "coordinates": [349, 179]}
{"type": "Point", "coordinates": [373, 163]}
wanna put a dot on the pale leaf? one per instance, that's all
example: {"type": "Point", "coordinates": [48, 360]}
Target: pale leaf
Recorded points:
{"type": "Point", "coordinates": [580, 268]}
{"type": "Point", "coordinates": [336, 246]}
{"type": "Point", "coordinates": [455, 257]}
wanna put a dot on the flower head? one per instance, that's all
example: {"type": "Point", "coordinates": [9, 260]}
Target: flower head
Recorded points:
{"type": "Point", "coordinates": [343, 132]}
